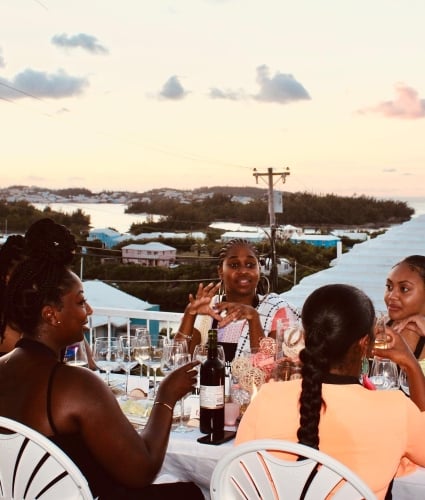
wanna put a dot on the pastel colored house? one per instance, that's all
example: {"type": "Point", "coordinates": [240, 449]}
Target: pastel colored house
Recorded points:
{"type": "Point", "coordinates": [152, 254]}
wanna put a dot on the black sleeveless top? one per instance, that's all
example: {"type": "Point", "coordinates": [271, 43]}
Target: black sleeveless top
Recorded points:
{"type": "Point", "coordinates": [102, 485]}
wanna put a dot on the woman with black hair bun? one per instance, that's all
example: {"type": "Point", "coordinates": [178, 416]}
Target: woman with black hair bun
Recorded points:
{"type": "Point", "coordinates": [11, 253]}
{"type": "Point", "coordinates": [71, 405]}
{"type": "Point", "coordinates": [369, 431]}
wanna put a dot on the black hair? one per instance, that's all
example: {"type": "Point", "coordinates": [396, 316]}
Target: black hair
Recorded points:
{"type": "Point", "coordinates": [42, 278]}
{"type": "Point", "coordinates": [416, 263]}
{"type": "Point", "coordinates": [334, 318]}
{"type": "Point", "coordinates": [234, 243]}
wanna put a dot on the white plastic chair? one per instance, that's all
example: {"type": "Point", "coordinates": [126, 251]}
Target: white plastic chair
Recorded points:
{"type": "Point", "coordinates": [32, 466]}
{"type": "Point", "coordinates": [251, 472]}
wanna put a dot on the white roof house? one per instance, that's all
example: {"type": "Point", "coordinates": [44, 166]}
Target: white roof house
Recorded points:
{"type": "Point", "coordinates": [149, 254]}
{"type": "Point", "coordinates": [367, 264]}
{"type": "Point", "coordinates": [100, 294]}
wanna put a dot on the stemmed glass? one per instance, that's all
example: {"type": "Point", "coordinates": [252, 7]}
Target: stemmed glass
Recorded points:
{"type": "Point", "coordinates": [106, 355]}
{"type": "Point", "coordinates": [76, 355]}
{"type": "Point", "coordinates": [384, 374]}
{"type": "Point", "coordinates": [180, 360]}
{"type": "Point", "coordinates": [126, 354]}
{"type": "Point", "coordinates": [154, 362]}
{"type": "Point", "coordinates": [142, 353]}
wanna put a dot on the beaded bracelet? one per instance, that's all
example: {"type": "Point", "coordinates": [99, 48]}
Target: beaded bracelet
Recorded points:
{"type": "Point", "coordinates": [164, 404]}
{"type": "Point", "coordinates": [188, 337]}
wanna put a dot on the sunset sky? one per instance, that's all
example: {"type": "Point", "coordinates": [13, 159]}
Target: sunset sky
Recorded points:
{"type": "Point", "coordinates": [137, 94]}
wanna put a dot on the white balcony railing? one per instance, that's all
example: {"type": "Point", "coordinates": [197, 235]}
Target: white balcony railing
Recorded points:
{"type": "Point", "coordinates": [167, 320]}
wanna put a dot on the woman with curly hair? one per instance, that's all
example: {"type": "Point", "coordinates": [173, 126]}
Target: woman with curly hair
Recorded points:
{"type": "Point", "coordinates": [369, 431]}
{"type": "Point", "coordinates": [237, 306]}
{"type": "Point", "coordinates": [72, 405]}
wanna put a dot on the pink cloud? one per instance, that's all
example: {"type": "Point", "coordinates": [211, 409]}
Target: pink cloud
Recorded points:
{"type": "Point", "coordinates": [406, 104]}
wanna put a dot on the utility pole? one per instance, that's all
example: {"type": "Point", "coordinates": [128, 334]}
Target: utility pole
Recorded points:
{"type": "Point", "coordinates": [270, 175]}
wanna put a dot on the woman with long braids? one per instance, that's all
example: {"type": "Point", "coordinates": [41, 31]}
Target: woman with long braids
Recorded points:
{"type": "Point", "coordinates": [71, 405]}
{"type": "Point", "coordinates": [241, 311]}
{"type": "Point", "coordinates": [328, 409]}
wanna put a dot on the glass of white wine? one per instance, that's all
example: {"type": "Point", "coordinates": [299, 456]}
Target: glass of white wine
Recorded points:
{"type": "Point", "coordinates": [154, 362]}
{"type": "Point", "coordinates": [126, 354]}
{"type": "Point", "coordinates": [142, 354]}
{"type": "Point", "coordinates": [76, 354]}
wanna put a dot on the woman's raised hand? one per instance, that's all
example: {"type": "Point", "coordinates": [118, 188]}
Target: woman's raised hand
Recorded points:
{"type": "Point", "coordinates": [397, 349]}
{"type": "Point", "coordinates": [415, 323]}
{"type": "Point", "coordinates": [233, 311]}
{"type": "Point", "coordinates": [178, 383]}
{"type": "Point", "coordinates": [200, 303]}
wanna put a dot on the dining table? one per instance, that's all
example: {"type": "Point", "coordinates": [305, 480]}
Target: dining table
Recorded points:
{"type": "Point", "coordinates": [188, 460]}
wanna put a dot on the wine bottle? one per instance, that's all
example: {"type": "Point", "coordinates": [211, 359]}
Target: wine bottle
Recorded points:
{"type": "Point", "coordinates": [211, 397]}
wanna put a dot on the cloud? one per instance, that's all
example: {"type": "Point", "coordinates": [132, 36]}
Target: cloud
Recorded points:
{"type": "Point", "coordinates": [281, 88]}
{"type": "Point", "coordinates": [406, 104]}
{"type": "Point", "coordinates": [38, 84]}
{"type": "Point", "coordinates": [2, 61]}
{"type": "Point", "coordinates": [173, 89]}
{"type": "Point", "coordinates": [86, 42]}
{"type": "Point", "coordinates": [232, 95]}
{"type": "Point", "coordinates": [389, 170]}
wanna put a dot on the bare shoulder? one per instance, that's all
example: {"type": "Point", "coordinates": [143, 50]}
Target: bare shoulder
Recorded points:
{"type": "Point", "coordinates": [80, 394]}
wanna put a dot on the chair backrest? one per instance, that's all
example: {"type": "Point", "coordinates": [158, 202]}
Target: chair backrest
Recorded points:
{"type": "Point", "coordinates": [253, 471]}
{"type": "Point", "coordinates": [32, 466]}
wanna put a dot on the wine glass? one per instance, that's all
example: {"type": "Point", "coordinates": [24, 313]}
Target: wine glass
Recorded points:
{"type": "Point", "coordinates": [154, 362]}
{"type": "Point", "coordinates": [404, 382]}
{"type": "Point", "coordinates": [182, 359]}
{"type": "Point", "coordinates": [142, 353]}
{"type": "Point", "coordinates": [126, 354]}
{"type": "Point", "coordinates": [384, 374]}
{"type": "Point", "coordinates": [168, 360]}
{"type": "Point", "coordinates": [106, 355]}
{"type": "Point", "coordinates": [76, 354]}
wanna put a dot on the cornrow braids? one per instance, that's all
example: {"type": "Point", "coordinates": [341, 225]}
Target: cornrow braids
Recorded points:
{"type": "Point", "coordinates": [234, 243]}
{"type": "Point", "coordinates": [334, 318]}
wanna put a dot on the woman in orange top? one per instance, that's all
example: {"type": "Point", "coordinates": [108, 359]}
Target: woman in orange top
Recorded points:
{"type": "Point", "coordinates": [369, 431]}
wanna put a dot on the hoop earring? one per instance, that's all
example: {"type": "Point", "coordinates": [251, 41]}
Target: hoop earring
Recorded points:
{"type": "Point", "coordinates": [260, 289]}
{"type": "Point", "coordinates": [221, 291]}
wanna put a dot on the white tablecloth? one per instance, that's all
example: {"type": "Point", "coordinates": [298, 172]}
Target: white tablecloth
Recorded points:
{"type": "Point", "coordinates": [188, 460]}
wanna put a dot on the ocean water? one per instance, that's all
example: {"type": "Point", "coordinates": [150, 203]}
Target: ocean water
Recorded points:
{"type": "Point", "coordinates": [113, 214]}
{"type": "Point", "coordinates": [102, 215]}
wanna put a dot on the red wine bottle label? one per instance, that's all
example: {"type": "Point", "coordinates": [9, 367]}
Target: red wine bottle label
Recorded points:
{"type": "Point", "coordinates": [211, 397]}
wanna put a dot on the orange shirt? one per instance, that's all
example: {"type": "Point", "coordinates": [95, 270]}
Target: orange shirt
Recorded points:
{"type": "Point", "coordinates": [369, 431]}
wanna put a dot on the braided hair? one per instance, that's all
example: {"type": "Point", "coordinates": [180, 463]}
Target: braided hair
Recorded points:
{"type": "Point", "coordinates": [42, 278]}
{"type": "Point", "coordinates": [334, 318]}
{"type": "Point", "coordinates": [416, 263]}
